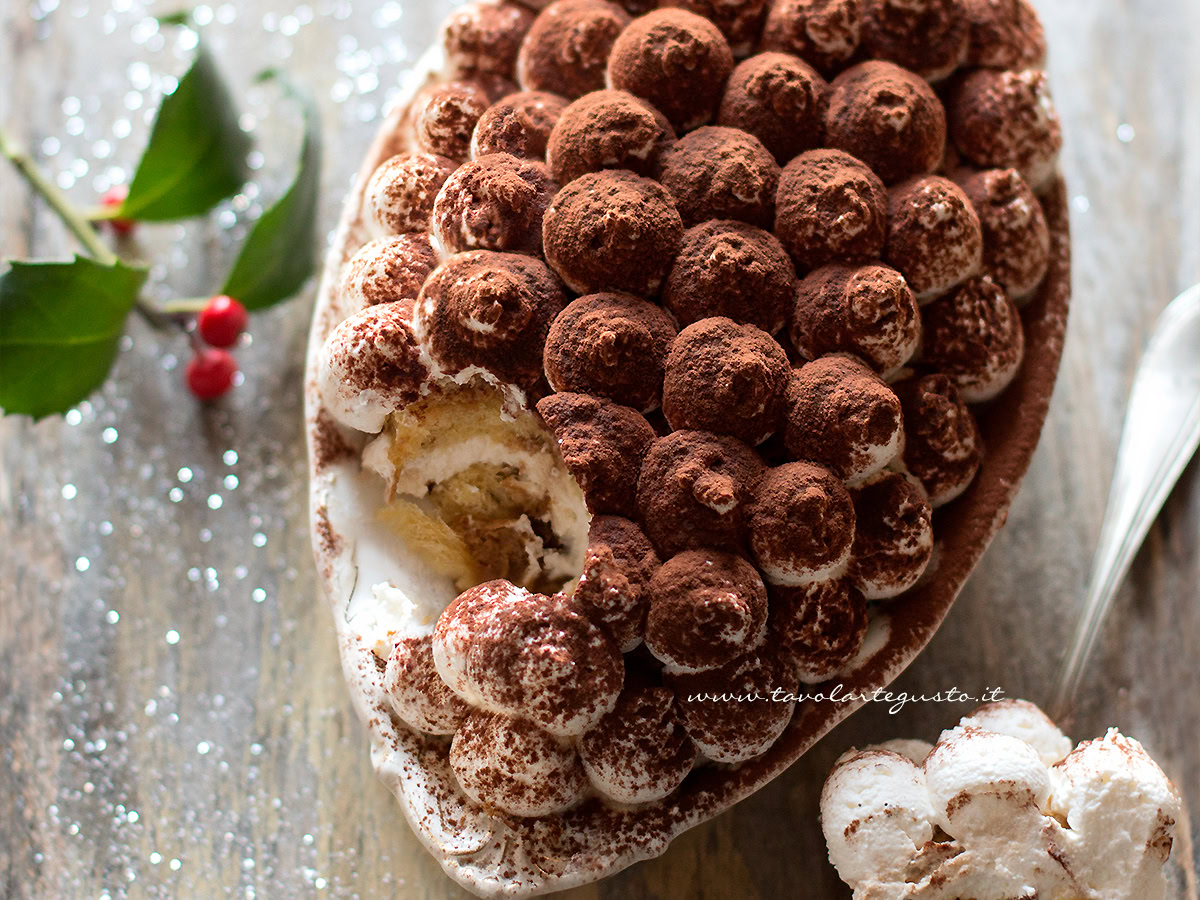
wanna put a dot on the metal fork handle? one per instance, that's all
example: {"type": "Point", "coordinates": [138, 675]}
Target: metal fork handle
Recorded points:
{"type": "Point", "coordinates": [1161, 433]}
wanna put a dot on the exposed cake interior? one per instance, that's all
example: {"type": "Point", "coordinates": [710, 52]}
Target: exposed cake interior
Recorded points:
{"type": "Point", "coordinates": [480, 491]}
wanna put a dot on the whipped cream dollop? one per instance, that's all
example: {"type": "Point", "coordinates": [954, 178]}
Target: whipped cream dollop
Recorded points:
{"type": "Point", "coordinates": [1001, 807]}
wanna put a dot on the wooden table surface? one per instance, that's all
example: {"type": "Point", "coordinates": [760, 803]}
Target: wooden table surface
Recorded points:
{"type": "Point", "coordinates": [173, 721]}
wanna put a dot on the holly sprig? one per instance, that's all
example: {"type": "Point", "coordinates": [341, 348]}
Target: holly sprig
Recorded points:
{"type": "Point", "coordinates": [61, 322]}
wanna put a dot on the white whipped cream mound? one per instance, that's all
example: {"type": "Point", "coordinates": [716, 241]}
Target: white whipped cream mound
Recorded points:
{"type": "Point", "coordinates": [1121, 807]}
{"type": "Point", "coordinates": [876, 805]}
{"type": "Point", "coordinates": [1001, 808]}
{"type": "Point", "coordinates": [1021, 719]}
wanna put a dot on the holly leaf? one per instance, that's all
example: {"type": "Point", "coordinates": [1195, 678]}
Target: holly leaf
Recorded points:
{"type": "Point", "coordinates": [181, 17]}
{"type": "Point", "coordinates": [280, 253]}
{"type": "Point", "coordinates": [197, 151]}
{"type": "Point", "coordinates": [59, 327]}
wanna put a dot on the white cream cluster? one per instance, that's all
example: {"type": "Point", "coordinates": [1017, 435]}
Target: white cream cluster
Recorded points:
{"type": "Point", "coordinates": [1000, 808]}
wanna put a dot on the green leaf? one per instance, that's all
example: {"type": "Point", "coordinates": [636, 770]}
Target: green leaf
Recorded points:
{"type": "Point", "coordinates": [197, 151]}
{"type": "Point", "coordinates": [59, 327]}
{"type": "Point", "coordinates": [280, 253]}
{"type": "Point", "coordinates": [181, 17]}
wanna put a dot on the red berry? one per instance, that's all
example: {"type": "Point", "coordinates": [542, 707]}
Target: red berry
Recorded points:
{"type": "Point", "coordinates": [221, 321]}
{"type": "Point", "coordinates": [115, 196]}
{"type": "Point", "coordinates": [210, 373]}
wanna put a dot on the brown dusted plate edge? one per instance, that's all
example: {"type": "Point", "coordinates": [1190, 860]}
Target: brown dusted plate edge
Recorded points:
{"type": "Point", "coordinates": [496, 854]}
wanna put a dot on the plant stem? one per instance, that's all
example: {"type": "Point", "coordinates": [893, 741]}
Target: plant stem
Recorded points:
{"type": "Point", "coordinates": [157, 319]}
{"type": "Point", "coordinates": [57, 201]}
{"type": "Point", "coordinates": [184, 306]}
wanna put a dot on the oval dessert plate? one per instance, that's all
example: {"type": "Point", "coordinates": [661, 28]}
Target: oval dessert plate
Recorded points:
{"type": "Point", "coordinates": [495, 854]}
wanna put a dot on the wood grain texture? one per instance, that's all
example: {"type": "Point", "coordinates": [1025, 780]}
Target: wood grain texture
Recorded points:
{"type": "Point", "coordinates": [156, 708]}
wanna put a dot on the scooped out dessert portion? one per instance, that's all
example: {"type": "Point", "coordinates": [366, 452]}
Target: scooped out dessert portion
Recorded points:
{"type": "Point", "coordinates": [1000, 807]}
{"type": "Point", "coordinates": [660, 340]}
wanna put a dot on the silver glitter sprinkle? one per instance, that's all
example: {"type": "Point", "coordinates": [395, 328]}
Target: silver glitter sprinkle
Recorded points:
{"type": "Point", "coordinates": [82, 564]}
{"type": "Point", "coordinates": [68, 492]}
{"type": "Point", "coordinates": [172, 636]}
{"type": "Point", "coordinates": [184, 475]}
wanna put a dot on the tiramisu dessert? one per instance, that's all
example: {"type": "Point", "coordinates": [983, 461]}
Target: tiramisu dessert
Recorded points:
{"type": "Point", "coordinates": [657, 351]}
{"type": "Point", "coordinates": [1001, 807]}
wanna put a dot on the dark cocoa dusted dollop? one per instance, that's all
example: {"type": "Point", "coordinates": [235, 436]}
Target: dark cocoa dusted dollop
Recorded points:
{"type": "Point", "coordinates": [888, 117]}
{"type": "Point", "coordinates": [675, 59]}
{"type": "Point", "coordinates": [614, 589]}
{"type": "Point", "coordinates": [824, 33]}
{"type": "Point", "coordinates": [496, 202]}
{"type": "Point", "coordinates": [491, 310]}
{"type": "Point", "coordinates": [567, 49]}
{"type": "Point", "coordinates": [1016, 237]}
{"type": "Point", "coordinates": [725, 378]}
{"type": "Point", "coordinates": [519, 124]}
{"type": "Point", "coordinates": [777, 98]}
{"type": "Point", "coordinates": [731, 269]}
{"type": "Point", "coordinates": [694, 491]}
{"type": "Point", "coordinates": [1005, 34]}
{"type": "Point", "coordinates": [893, 539]}
{"type": "Point", "coordinates": [934, 236]}
{"type": "Point", "coordinates": [721, 173]}
{"type": "Point", "coordinates": [868, 311]}
{"type": "Point", "coordinates": [830, 208]}
{"type": "Point", "coordinates": [842, 415]}
{"type": "Point", "coordinates": [974, 335]}
{"type": "Point", "coordinates": [930, 37]}
{"type": "Point", "coordinates": [942, 444]}
{"type": "Point", "coordinates": [608, 130]}
{"type": "Point", "coordinates": [612, 231]}
{"type": "Point", "coordinates": [445, 118]}
{"type": "Point", "coordinates": [741, 21]}
{"type": "Point", "coordinates": [737, 711]}
{"type": "Point", "coordinates": [610, 345]}
{"type": "Point", "coordinates": [706, 609]}
{"type": "Point", "coordinates": [601, 443]}
{"type": "Point", "coordinates": [801, 524]}
{"type": "Point", "coordinates": [821, 626]}
{"type": "Point", "coordinates": [484, 37]}
{"type": "Point", "coordinates": [1007, 120]}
